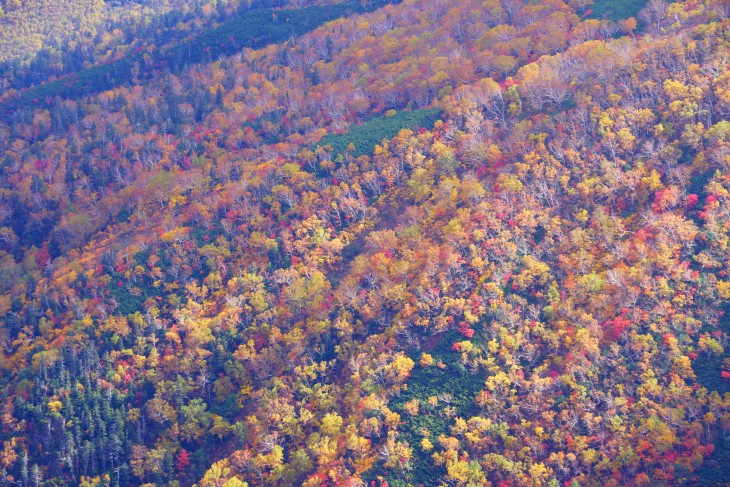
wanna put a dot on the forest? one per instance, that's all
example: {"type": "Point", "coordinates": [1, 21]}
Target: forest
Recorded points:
{"type": "Point", "coordinates": [374, 243]}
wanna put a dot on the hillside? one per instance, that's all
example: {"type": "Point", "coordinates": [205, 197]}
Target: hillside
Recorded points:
{"type": "Point", "coordinates": [379, 243]}
{"type": "Point", "coordinates": [44, 40]}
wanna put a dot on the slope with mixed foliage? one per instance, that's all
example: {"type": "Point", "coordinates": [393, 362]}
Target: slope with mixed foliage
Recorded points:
{"type": "Point", "coordinates": [41, 38]}
{"type": "Point", "coordinates": [218, 277]}
{"type": "Point", "coordinates": [152, 44]}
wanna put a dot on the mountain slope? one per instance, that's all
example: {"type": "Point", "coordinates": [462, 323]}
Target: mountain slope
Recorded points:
{"type": "Point", "coordinates": [529, 290]}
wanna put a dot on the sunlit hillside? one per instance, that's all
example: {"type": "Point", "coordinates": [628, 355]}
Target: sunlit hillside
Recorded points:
{"type": "Point", "coordinates": [390, 243]}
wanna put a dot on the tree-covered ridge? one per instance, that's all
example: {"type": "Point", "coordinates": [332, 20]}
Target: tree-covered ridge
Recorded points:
{"type": "Point", "coordinates": [152, 44]}
{"type": "Point", "coordinates": [26, 28]}
{"type": "Point", "coordinates": [196, 288]}
{"type": "Point", "coordinates": [70, 32]}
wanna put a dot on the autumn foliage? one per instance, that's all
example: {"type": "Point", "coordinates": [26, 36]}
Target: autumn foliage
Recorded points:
{"type": "Point", "coordinates": [214, 276]}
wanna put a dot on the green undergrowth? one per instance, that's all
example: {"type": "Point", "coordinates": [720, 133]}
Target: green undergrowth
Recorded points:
{"type": "Point", "coordinates": [455, 387]}
{"type": "Point", "coordinates": [708, 368]}
{"type": "Point", "coordinates": [616, 9]}
{"type": "Point", "coordinates": [366, 136]}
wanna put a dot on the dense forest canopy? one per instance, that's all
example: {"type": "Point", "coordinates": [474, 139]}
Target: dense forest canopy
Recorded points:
{"type": "Point", "coordinates": [330, 243]}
